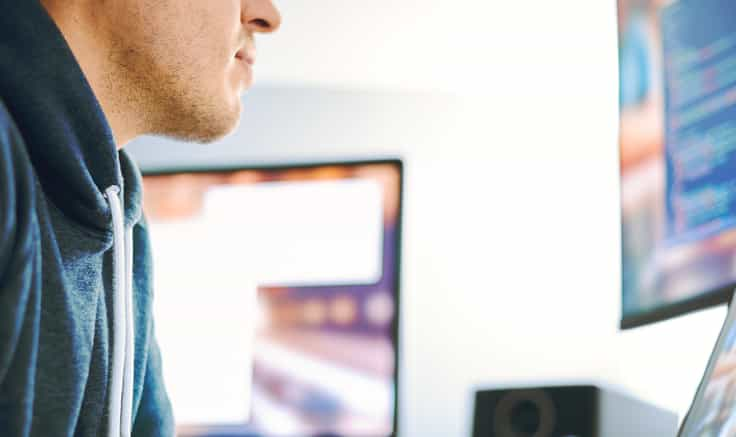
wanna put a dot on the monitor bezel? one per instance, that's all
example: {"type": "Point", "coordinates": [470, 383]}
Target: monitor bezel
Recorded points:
{"type": "Point", "coordinates": [661, 313]}
{"type": "Point", "coordinates": [398, 163]}
{"type": "Point", "coordinates": [705, 299]}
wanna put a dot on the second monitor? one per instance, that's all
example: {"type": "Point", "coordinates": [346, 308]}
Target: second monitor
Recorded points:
{"type": "Point", "coordinates": [320, 245]}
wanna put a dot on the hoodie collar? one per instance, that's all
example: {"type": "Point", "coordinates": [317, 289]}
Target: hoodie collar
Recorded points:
{"type": "Point", "coordinates": [68, 138]}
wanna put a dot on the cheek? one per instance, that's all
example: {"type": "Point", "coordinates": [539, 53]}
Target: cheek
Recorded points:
{"type": "Point", "coordinates": [218, 40]}
{"type": "Point", "coordinates": [217, 27]}
{"type": "Point", "coordinates": [193, 44]}
{"type": "Point", "coordinates": [202, 32]}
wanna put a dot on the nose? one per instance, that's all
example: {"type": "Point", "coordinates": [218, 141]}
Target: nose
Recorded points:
{"type": "Point", "coordinates": [260, 16]}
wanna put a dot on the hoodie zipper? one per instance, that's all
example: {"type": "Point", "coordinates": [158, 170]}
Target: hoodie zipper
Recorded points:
{"type": "Point", "coordinates": [120, 400]}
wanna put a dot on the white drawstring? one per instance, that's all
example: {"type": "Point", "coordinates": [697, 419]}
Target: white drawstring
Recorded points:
{"type": "Point", "coordinates": [121, 383]}
{"type": "Point", "coordinates": [126, 419]}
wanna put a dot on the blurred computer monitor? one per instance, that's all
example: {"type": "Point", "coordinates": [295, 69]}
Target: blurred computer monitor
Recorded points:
{"type": "Point", "coordinates": [677, 65]}
{"type": "Point", "coordinates": [306, 256]}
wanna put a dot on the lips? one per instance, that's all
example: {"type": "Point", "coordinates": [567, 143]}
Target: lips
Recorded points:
{"type": "Point", "coordinates": [244, 56]}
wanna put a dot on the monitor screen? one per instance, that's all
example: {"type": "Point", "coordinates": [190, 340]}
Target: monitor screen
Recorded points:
{"type": "Point", "coordinates": [276, 297]}
{"type": "Point", "coordinates": [677, 98]}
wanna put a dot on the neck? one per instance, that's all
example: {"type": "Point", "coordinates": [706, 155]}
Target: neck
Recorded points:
{"type": "Point", "coordinates": [86, 35]}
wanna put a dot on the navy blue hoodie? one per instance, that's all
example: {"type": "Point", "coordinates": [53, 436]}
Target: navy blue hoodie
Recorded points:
{"type": "Point", "coordinates": [77, 350]}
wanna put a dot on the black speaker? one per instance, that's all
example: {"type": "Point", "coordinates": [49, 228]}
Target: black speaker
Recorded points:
{"type": "Point", "coordinates": [567, 411]}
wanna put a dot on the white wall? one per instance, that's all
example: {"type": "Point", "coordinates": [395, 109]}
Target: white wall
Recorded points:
{"type": "Point", "coordinates": [511, 251]}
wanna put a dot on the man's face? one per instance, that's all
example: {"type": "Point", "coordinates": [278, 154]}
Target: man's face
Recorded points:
{"type": "Point", "coordinates": [186, 62]}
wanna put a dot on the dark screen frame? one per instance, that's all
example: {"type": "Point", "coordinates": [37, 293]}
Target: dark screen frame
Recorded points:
{"type": "Point", "coordinates": [703, 301]}
{"type": "Point", "coordinates": [398, 163]}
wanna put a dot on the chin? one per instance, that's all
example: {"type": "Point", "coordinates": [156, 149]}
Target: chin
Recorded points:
{"type": "Point", "coordinates": [209, 124]}
{"type": "Point", "coordinates": [212, 133]}
{"type": "Point", "coordinates": [219, 128]}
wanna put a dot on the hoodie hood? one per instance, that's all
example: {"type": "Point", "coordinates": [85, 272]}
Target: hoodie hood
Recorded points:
{"type": "Point", "coordinates": [68, 138]}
